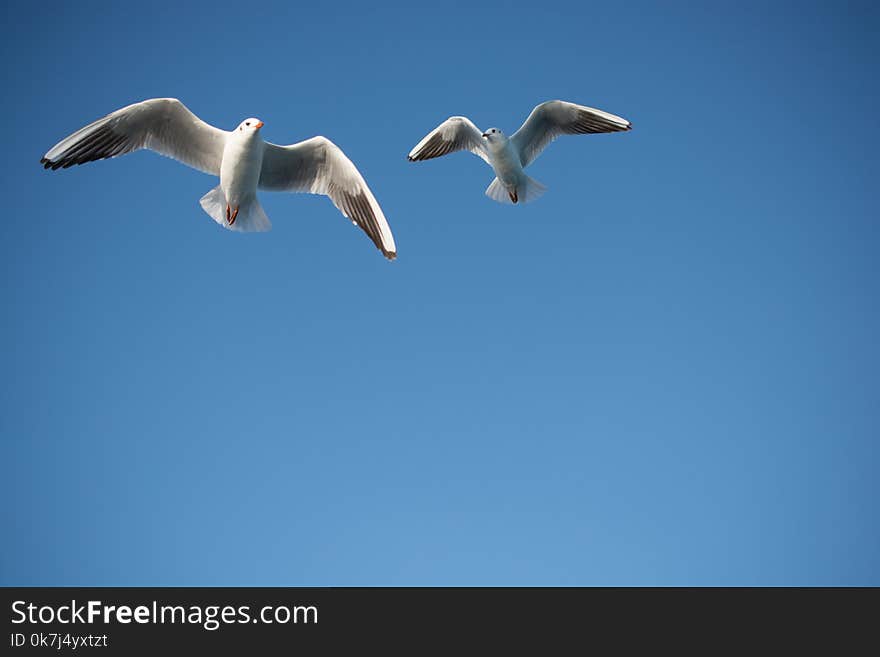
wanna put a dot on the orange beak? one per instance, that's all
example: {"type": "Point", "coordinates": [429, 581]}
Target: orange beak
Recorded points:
{"type": "Point", "coordinates": [259, 125]}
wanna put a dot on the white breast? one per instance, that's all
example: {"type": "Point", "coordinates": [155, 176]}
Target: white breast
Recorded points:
{"type": "Point", "coordinates": [505, 161]}
{"type": "Point", "coordinates": [240, 168]}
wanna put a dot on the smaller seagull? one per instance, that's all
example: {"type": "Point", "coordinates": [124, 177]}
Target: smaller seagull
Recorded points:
{"type": "Point", "coordinates": [242, 160]}
{"type": "Point", "coordinates": [508, 157]}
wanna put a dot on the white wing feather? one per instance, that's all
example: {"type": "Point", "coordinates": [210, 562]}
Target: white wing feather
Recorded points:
{"type": "Point", "coordinates": [164, 125]}
{"type": "Point", "coordinates": [318, 166]}
{"type": "Point", "coordinates": [457, 133]}
{"type": "Point", "coordinates": [556, 117]}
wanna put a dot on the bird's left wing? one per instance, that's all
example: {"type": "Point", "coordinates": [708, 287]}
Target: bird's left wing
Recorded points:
{"type": "Point", "coordinates": [318, 166]}
{"type": "Point", "coordinates": [556, 117]}
{"type": "Point", "coordinates": [164, 125]}
{"type": "Point", "coordinates": [457, 133]}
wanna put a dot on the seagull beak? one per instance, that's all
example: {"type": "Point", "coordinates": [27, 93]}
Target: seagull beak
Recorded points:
{"type": "Point", "coordinates": [258, 125]}
{"type": "Point", "coordinates": [484, 136]}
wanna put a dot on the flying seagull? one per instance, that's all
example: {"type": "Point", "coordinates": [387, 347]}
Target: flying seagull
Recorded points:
{"type": "Point", "coordinates": [242, 160]}
{"type": "Point", "coordinates": [508, 157]}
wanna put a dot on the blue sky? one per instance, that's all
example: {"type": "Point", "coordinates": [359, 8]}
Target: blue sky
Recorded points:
{"type": "Point", "coordinates": [663, 372]}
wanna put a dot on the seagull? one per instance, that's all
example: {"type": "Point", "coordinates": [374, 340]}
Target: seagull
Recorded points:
{"type": "Point", "coordinates": [242, 160]}
{"type": "Point", "coordinates": [509, 156]}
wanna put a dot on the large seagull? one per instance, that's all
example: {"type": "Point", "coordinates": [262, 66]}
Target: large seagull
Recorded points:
{"type": "Point", "coordinates": [508, 157]}
{"type": "Point", "coordinates": [242, 160]}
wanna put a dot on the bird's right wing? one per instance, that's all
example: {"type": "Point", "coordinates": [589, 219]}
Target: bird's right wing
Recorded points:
{"type": "Point", "coordinates": [556, 117]}
{"type": "Point", "coordinates": [457, 133]}
{"type": "Point", "coordinates": [164, 125]}
{"type": "Point", "coordinates": [318, 166]}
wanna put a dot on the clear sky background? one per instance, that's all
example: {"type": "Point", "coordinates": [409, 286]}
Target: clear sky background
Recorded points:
{"type": "Point", "coordinates": [663, 372]}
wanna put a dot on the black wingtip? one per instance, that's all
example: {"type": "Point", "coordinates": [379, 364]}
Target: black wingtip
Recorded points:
{"type": "Point", "coordinates": [49, 164]}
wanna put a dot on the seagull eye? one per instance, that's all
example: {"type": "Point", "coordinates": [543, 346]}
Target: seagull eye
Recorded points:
{"type": "Point", "coordinates": [248, 123]}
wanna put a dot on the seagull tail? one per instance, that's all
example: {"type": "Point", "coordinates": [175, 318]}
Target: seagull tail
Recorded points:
{"type": "Point", "coordinates": [528, 190]}
{"type": "Point", "coordinates": [249, 217]}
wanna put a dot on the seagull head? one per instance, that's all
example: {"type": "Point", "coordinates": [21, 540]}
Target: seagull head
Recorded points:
{"type": "Point", "coordinates": [493, 135]}
{"type": "Point", "coordinates": [250, 125]}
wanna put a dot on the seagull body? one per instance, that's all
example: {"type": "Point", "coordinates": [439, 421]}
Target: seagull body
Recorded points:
{"type": "Point", "coordinates": [505, 162]}
{"type": "Point", "coordinates": [242, 160]}
{"type": "Point", "coordinates": [508, 157]}
{"type": "Point", "coordinates": [241, 166]}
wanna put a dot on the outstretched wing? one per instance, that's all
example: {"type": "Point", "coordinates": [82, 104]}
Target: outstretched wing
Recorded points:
{"type": "Point", "coordinates": [457, 133]}
{"type": "Point", "coordinates": [556, 117]}
{"type": "Point", "coordinates": [318, 166]}
{"type": "Point", "coordinates": [163, 125]}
